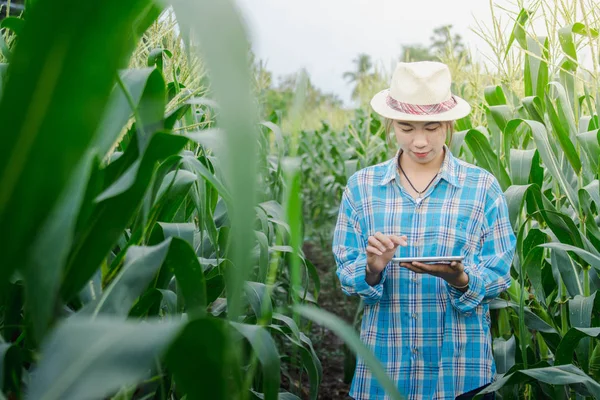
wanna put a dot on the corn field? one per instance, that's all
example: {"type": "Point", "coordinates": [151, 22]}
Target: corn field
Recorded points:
{"type": "Point", "coordinates": [152, 222]}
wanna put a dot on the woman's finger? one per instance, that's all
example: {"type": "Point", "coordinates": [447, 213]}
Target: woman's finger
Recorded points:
{"type": "Point", "coordinates": [400, 240]}
{"type": "Point", "coordinates": [412, 268]}
{"type": "Point", "coordinates": [384, 240]}
{"type": "Point", "coordinates": [376, 243]}
{"type": "Point", "coordinates": [374, 250]}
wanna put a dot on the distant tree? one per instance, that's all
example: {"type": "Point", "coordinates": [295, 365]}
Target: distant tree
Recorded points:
{"type": "Point", "coordinates": [443, 43]}
{"type": "Point", "coordinates": [416, 52]}
{"type": "Point", "coordinates": [362, 73]}
{"type": "Point", "coordinates": [281, 97]}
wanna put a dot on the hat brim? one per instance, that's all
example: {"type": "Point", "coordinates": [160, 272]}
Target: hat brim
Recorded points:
{"type": "Point", "coordinates": [379, 104]}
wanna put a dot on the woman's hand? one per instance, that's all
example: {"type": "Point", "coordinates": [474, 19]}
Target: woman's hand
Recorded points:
{"type": "Point", "coordinates": [453, 273]}
{"type": "Point", "coordinates": [380, 250]}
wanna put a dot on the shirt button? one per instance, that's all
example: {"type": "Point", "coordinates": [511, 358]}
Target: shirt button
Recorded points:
{"type": "Point", "coordinates": [414, 315]}
{"type": "Point", "coordinates": [414, 350]}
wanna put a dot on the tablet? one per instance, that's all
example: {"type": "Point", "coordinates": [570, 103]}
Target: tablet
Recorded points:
{"type": "Point", "coordinates": [432, 260]}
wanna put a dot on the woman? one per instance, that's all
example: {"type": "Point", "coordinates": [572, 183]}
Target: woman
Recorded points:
{"type": "Point", "coordinates": [429, 324]}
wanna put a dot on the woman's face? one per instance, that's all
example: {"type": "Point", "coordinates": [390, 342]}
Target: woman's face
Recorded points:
{"type": "Point", "coordinates": [422, 142]}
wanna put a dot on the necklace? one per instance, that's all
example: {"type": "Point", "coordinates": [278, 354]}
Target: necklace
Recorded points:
{"type": "Point", "coordinates": [419, 198]}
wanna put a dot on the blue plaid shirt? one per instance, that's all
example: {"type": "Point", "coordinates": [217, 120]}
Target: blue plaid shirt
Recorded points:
{"type": "Point", "coordinates": [433, 340]}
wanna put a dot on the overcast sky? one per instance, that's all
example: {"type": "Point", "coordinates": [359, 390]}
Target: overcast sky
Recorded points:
{"type": "Point", "coordinates": [324, 36]}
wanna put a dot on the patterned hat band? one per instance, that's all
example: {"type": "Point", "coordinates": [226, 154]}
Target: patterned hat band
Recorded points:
{"type": "Point", "coordinates": [416, 109]}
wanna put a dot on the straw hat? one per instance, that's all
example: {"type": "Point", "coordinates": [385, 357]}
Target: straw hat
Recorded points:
{"type": "Point", "coordinates": [420, 91]}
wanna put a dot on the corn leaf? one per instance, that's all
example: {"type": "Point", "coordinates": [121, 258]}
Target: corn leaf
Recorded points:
{"type": "Point", "coordinates": [120, 204]}
{"type": "Point", "coordinates": [518, 31]}
{"type": "Point", "coordinates": [83, 359]}
{"type": "Point", "coordinates": [203, 345]}
{"type": "Point", "coordinates": [334, 323]}
{"type": "Point", "coordinates": [72, 69]}
{"type": "Point", "coordinates": [264, 347]}
{"type": "Point", "coordinates": [486, 157]}
{"type": "Point", "coordinates": [559, 375]}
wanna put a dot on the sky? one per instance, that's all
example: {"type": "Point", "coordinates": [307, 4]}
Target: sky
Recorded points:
{"type": "Point", "coordinates": [324, 36]}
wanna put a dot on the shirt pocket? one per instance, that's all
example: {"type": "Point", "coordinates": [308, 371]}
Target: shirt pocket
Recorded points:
{"type": "Point", "coordinates": [465, 234]}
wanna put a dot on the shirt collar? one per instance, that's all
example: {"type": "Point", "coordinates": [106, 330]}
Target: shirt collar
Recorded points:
{"type": "Point", "coordinates": [449, 171]}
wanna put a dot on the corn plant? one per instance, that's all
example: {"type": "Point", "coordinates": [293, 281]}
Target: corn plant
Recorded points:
{"type": "Point", "coordinates": [154, 241]}
{"type": "Point", "coordinates": [123, 274]}
{"type": "Point", "coordinates": [543, 148]}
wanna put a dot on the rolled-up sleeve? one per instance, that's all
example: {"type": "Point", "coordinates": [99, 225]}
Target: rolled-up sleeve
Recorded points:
{"type": "Point", "coordinates": [349, 250]}
{"type": "Point", "coordinates": [492, 275]}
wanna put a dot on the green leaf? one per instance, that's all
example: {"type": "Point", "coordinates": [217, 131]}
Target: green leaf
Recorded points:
{"type": "Point", "coordinates": [197, 167]}
{"type": "Point", "coordinates": [141, 265]}
{"type": "Point", "coordinates": [494, 95]}
{"type": "Point", "coordinates": [15, 24]}
{"type": "Point", "coordinates": [150, 111]}
{"type": "Point", "coordinates": [569, 272]}
{"type": "Point", "coordinates": [314, 275]}
{"type": "Point", "coordinates": [5, 51]}
{"type": "Point", "coordinates": [559, 375]}
{"type": "Point", "coordinates": [230, 81]}
{"type": "Point", "coordinates": [518, 31]}
{"type": "Point", "coordinates": [182, 231]}
{"type": "Point", "coordinates": [214, 288]}
{"type": "Point", "coordinates": [276, 132]}
{"type": "Point", "coordinates": [586, 201]}
{"type": "Point", "coordinates": [580, 311]}
{"type": "Point", "coordinates": [592, 259]}
{"type": "Point", "coordinates": [111, 216]}
{"type": "Point", "coordinates": [148, 300]}
{"type": "Point", "coordinates": [486, 157]}
{"type": "Point", "coordinates": [11, 365]}
{"type": "Point", "coordinates": [504, 354]}
{"type": "Point", "coordinates": [458, 139]}
{"type": "Point", "coordinates": [540, 136]}
{"type": "Point", "coordinates": [564, 353]}
{"type": "Point", "coordinates": [266, 351]}
{"type": "Point", "coordinates": [42, 271]}
{"type": "Point", "coordinates": [175, 115]}
{"type": "Point", "coordinates": [517, 194]}
{"type": "Point", "coordinates": [260, 301]}
{"type": "Point", "coordinates": [348, 334]}
{"type": "Point", "coordinates": [169, 302]}
{"type": "Point", "coordinates": [583, 30]}
{"type": "Point", "coordinates": [203, 345]}
{"type": "Point", "coordinates": [580, 316]}
{"type": "Point", "coordinates": [189, 273]}
{"type": "Point", "coordinates": [85, 359]}
{"type": "Point", "coordinates": [534, 107]}
{"type": "Point", "coordinates": [72, 69]}
{"type": "Point", "coordinates": [532, 321]}
{"type": "Point", "coordinates": [533, 267]}
{"type": "Point", "coordinates": [500, 116]}
{"type": "Point", "coordinates": [565, 38]}
{"type": "Point", "coordinates": [172, 193]}
{"type": "Point", "coordinates": [594, 368]}
{"type": "Point", "coordinates": [563, 123]}
{"type": "Point", "coordinates": [156, 57]}
{"type": "Point", "coordinates": [123, 101]}
{"type": "Point", "coordinates": [525, 167]}
{"type": "Point", "coordinates": [293, 207]}
{"type": "Point", "coordinates": [537, 64]}
{"type": "Point", "coordinates": [590, 142]}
